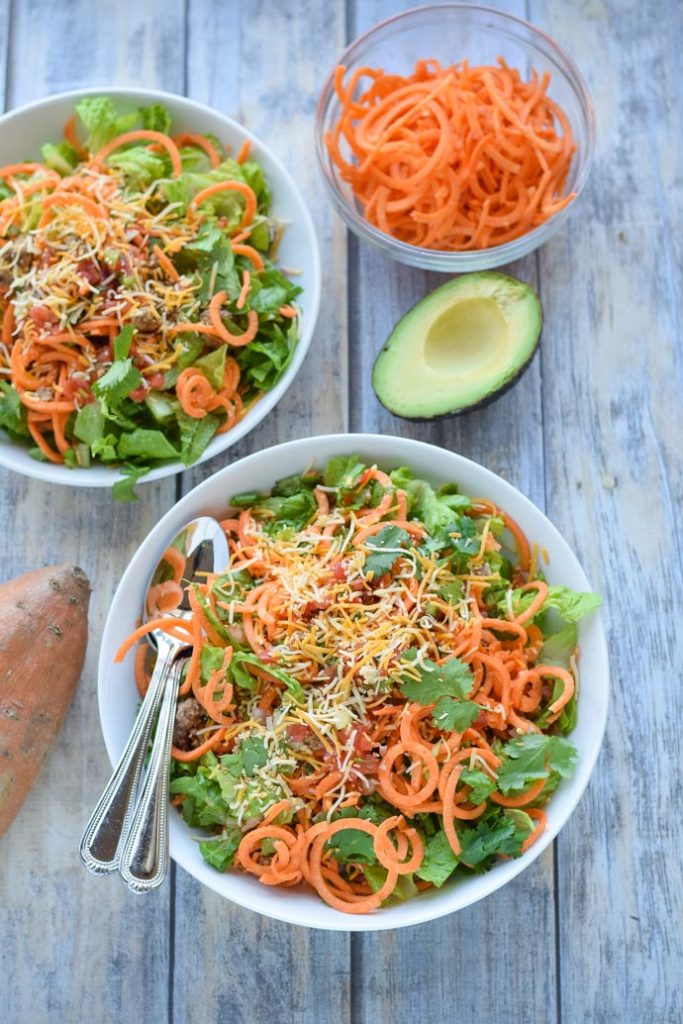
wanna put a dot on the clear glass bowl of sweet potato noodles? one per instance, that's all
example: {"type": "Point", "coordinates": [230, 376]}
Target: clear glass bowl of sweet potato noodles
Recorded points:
{"type": "Point", "coordinates": [455, 137]}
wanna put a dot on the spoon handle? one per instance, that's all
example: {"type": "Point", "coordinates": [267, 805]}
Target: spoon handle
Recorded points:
{"type": "Point", "coordinates": [145, 856]}
{"type": "Point", "coordinates": [103, 836]}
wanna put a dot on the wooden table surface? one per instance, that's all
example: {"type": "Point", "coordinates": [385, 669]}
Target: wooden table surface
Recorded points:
{"type": "Point", "coordinates": [592, 931]}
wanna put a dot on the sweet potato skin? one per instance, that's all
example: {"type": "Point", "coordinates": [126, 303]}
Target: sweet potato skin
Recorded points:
{"type": "Point", "coordinates": [43, 638]}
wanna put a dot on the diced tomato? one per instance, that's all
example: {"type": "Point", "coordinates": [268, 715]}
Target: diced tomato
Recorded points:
{"type": "Point", "coordinates": [90, 270]}
{"type": "Point", "coordinates": [338, 571]}
{"type": "Point", "coordinates": [361, 742]}
{"type": "Point", "coordinates": [139, 394]}
{"type": "Point", "coordinates": [298, 733]}
{"type": "Point", "coordinates": [42, 315]}
{"type": "Point", "coordinates": [156, 381]}
{"type": "Point", "coordinates": [105, 353]}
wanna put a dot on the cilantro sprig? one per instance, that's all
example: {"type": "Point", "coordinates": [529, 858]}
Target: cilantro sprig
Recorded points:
{"type": "Point", "coordinates": [447, 686]}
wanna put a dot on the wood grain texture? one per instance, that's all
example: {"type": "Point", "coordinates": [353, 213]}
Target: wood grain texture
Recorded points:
{"type": "Point", "coordinates": [591, 933]}
{"type": "Point", "coordinates": [75, 947]}
{"type": "Point", "coordinates": [613, 377]}
{"type": "Point", "coordinates": [253, 72]}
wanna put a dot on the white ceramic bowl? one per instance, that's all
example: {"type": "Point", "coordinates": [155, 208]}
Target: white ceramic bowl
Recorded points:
{"type": "Point", "coordinates": [23, 131]}
{"type": "Point", "coordinates": [118, 696]}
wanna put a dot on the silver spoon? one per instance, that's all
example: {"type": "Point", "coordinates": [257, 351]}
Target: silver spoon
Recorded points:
{"type": "Point", "coordinates": [203, 547]}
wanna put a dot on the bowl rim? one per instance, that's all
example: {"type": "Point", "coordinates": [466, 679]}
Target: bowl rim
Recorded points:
{"type": "Point", "coordinates": [405, 251]}
{"type": "Point", "coordinates": [105, 476]}
{"type": "Point", "coordinates": [447, 900]}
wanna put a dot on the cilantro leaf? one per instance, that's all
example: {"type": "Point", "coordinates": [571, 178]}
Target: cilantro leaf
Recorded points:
{"type": "Point", "coordinates": [534, 756]}
{"type": "Point", "coordinates": [455, 715]}
{"type": "Point", "coordinates": [439, 861]}
{"type": "Point", "coordinates": [385, 547]}
{"type": "Point", "coordinates": [349, 845]}
{"type": "Point", "coordinates": [452, 679]}
{"type": "Point", "coordinates": [120, 379]}
{"type": "Point", "coordinates": [254, 754]}
{"type": "Point", "coordinates": [481, 785]}
{"type": "Point", "coordinates": [122, 342]}
{"type": "Point", "coordinates": [494, 833]}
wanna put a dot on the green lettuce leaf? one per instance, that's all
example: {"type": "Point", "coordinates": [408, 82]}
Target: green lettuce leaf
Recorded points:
{"type": "Point", "coordinates": [212, 366]}
{"type": "Point", "coordinates": [146, 444]}
{"type": "Point", "coordinates": [140, 166]}
{"type": "Point", "coordinates": [558, 648]}
{"type": "Point", "coordinates": [571, 605]}
{"type": "Point", "coordinates": [156, 118]}
{"type": "Point", "coordinates": [343, 471]}
{"type": "Point", "coordinates": [439, 861]}
{"type": "Point", "coordinates": [60, 157]}
{"type": "Point", "coordinates": [195, 435]}
{"type": "Point", "coordinates": [101, 121]}
{"type": "Point", "coordinates": [220, 852]}
{"type": "Point", "coordinates": [12, 412]}
{"type": "Point", "coordinates": [89, 424]}
{"type": "Point", "coordinates": [124, 490]}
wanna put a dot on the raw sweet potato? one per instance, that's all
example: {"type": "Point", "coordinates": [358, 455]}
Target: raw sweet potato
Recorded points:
{"type": "Point", "coordinates": [43, 636]}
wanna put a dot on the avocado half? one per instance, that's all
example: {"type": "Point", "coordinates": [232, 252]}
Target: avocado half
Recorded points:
{"type": "Point", "coordinates": [460, 347]}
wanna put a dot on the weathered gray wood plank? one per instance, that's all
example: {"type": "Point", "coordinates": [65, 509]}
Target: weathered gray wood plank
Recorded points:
{"type": "Point", "coordinates": [431, 973]}
{"type": "Point", "coordinates": [230, 962]}
{"type": "Point", "coordinates": [76, 947]}
{"type": "Point", "coordinates": [613, 375]}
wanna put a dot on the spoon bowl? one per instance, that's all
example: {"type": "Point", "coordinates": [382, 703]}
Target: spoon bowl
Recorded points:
{"type": "Point", "coordinates": [198, 549]}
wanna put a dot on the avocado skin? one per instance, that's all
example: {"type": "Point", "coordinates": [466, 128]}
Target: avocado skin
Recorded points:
{"type": "Point", "coordinates": [493, 395]}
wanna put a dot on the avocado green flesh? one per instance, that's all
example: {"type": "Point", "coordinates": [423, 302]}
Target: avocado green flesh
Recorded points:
{"type": "Point", "coordinates": [459, 346]}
